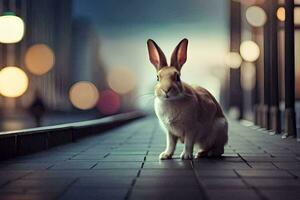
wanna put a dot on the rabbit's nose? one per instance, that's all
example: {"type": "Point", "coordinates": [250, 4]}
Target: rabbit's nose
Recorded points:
{"type": "Point", "coordinates": [166, 91]}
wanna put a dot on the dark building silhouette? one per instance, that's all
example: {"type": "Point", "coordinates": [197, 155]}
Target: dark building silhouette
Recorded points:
{"type": "Point", "coordinates": [86, 54]}
{"type": "Point", "coordinates": [47, 22]}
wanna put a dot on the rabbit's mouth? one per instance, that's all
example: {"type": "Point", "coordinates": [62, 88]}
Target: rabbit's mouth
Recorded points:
{"type": "Point", "coordinates": [172, 97]}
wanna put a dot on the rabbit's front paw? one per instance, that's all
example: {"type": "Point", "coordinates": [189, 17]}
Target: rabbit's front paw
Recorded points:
{"type": "Point", "coordinates": [186, 156]}
{"type": "Point", "coordinates": [165, 156]}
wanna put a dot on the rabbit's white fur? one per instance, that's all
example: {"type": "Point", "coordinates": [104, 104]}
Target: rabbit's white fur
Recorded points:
{"type": "Point", "coordinates": [190, 114]}
{"type": "Point", "coordinates": [181, 119]}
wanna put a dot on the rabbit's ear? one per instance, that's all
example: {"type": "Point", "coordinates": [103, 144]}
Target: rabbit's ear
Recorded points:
{"type": "Point", "coordinates": [156, 56]}
{"type": "Point", "coordinates": [179, 54]}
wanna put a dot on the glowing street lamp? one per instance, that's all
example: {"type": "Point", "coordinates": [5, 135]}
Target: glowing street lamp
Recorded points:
{"type": "Point", "coordinates": [13, 81]}
{"type": "Point", "coordinates": [11, 28]}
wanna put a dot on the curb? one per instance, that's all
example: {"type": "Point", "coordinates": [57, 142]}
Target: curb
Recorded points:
{"type": "Point", "coordinates": [26, 141]}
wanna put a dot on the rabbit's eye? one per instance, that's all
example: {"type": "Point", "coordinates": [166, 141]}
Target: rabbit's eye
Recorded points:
{"type": "Point", "coordinates": [177, 77]}
{"type": "Point", "coordinates": [157, 78]}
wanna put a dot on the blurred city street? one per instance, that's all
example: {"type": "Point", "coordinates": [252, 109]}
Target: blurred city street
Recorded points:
{"type": "Point", "coordinates": [79, 80]}
{"type": "Point", "coordinates": [123, 164]}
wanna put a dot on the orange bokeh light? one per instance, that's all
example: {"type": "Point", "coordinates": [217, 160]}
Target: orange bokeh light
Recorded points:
{"type": "Point", "coordinates": [281, 14]}
{"type": "Point", "coordinates": [39, 59]}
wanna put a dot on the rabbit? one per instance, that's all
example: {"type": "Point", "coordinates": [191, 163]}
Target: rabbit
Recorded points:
{"type": "Point", "coordinates": [190, 114]}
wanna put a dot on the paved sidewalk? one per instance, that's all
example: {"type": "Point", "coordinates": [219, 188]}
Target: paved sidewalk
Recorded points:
{"type": "Point", "coordinates": [123, 164]}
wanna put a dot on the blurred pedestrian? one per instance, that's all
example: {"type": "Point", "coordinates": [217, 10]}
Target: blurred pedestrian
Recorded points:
{"type": "Point", "coordinates": [37, 109]}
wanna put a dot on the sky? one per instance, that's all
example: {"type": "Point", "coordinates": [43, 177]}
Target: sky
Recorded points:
{"type": "Point", "coordinates": [125, 25]}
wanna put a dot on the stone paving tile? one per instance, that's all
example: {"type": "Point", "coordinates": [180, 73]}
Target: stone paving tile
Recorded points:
{"type": "Point", "coordinates": [14, 174]}
{"type": "Point", "coordinates": [287, 165]}
{"type": "Point", "coordinates": [264, 173]}
{"type": "Point", "coordinates": [88, 157]}
{"type": "Point", "coordinates": [117, 165]}
{"type": "Point", "coordinates": [45, 183]}
{"type": "Point", "coordinates": [103, 173]}
{"type": "Point", "coordinates": [94, 194]}
{"type": "Point", "coordinates": [273, 182]}
{"type": "Point", "coordinates": [262, 165]}
{"type": "Point", "coordinates": [168, 164]}
{"type": "Point", "coordinates": [281, 194]}
{"type": "Point", "coordinates": [268, 158]}
{"type": "Point", "coordinates": [230, 194]}
{"type": "Point", "coordinates": [25, 166]}
{"type": "Point", "coordinates": [39, 158]}
{"type": "Point", "coordinates": [14, 196]}
{"type": "Point", "coordinates": [69, 165]}
{"type": "Point", "coordinates": [50, 191]}
{"type": "Point", "coordinates": [107, 182]}
{"type": "Point", "coordinates": [295, 172]}
{"type": "Point", "coordinates": [221, 173]}
{"type": "Point", "coordinates": [166, 194]}
{"type": "Point", "coordinates": [125, 158]}
{"type": "Point", "coordinates": [222, 183]}
{"type": "Point", "coordinates": [136, 152]}
{"type": "Point", "coordinates": [167, 173]}
{"type": "Point", "coordinates": [220, 165]}
{"type": "Point", "coordinates": [163, 182]}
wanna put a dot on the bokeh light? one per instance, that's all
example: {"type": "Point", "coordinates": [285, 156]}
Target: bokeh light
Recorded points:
{"type": "Point", "coordinates": [256, 16]}
{"type": "Point", "coordinates": [281, 14]}
{"type": "Point", "coordinates": [249, 51]}
{"type": "Point", "coordinates": [248, 78]}
{"type": "Point", "coordinates": [13, 81]}
{"type": "Point", "coordinates": [84, 95]}
{"type": "Point", "coordinates": [109, 102]}
{"type": "Point", "coordinates": [121, 80]}
{"type": "Point", "coordinates": [39, 59]}
{"type": "Point", "coordinates": [233, 60]}
{"type": "Point", "coordinates": [11, 28]}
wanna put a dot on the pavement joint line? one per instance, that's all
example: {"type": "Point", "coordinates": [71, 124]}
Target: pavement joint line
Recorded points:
{"type": "Point", "coordinates": [132, 184]}
{"type": "Point", "coordinates": [201, 187]}
{"type": "Point", "coordinates": [294, 176]}
{"type": "Point", "coordinates": [244, 160]}
{"type": "Point", "coordinates": [275, 165]}
{"type": "Point", "coordinates": [19, 178]}
{"type": "Point", "coordinates": [67, 188]}
{"type": "Point", "coordinates": [106, 155]}
{"type": "Point", "coordinates": [94, 165]}
{"type": "Point", "coordinates": [51, 166]}
{"type": "Point", "coordinates": [255, 189]}
{"type": "Point", "coordinates": [145, 157]}
{"type": "Point", "coordinates": [73, 156]}
{"type": "Point", "coordinates": [140, 170]}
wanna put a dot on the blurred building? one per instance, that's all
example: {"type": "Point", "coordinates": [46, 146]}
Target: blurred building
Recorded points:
{"type": "Point", "coordinates": [86, 59]}
{"type": "Point", "coordinates": [48, 23]}
{"type": "Point", "coordinates": [270, 85]}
